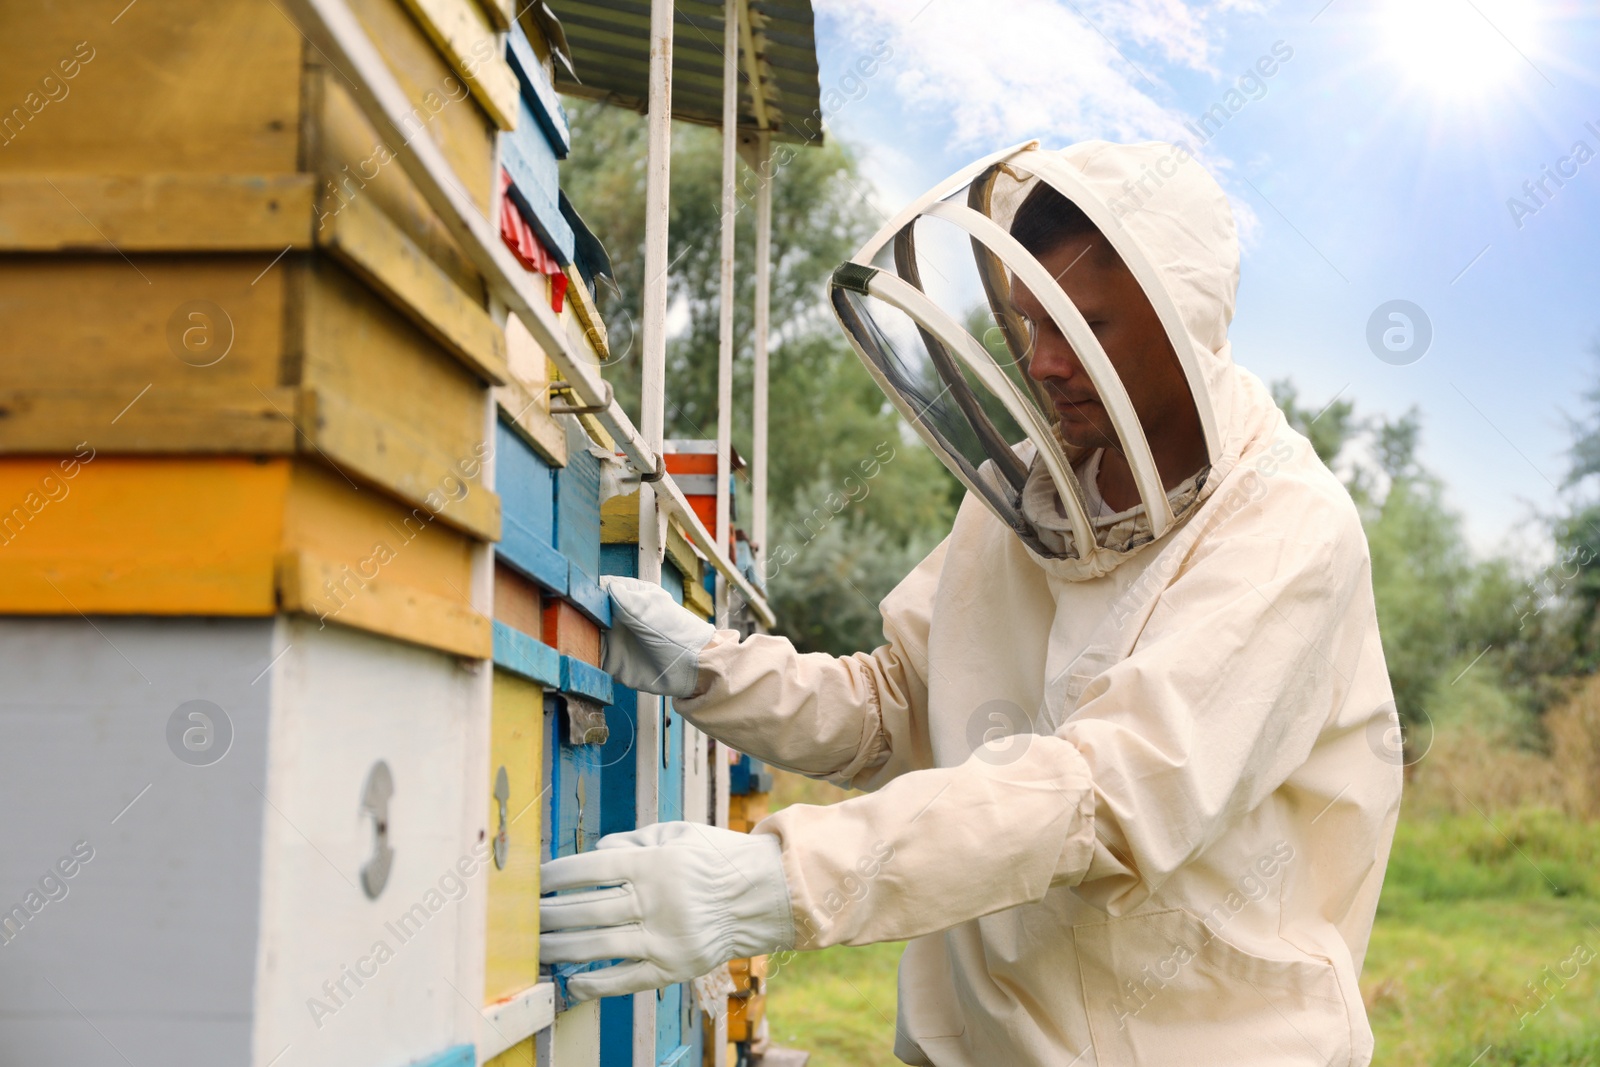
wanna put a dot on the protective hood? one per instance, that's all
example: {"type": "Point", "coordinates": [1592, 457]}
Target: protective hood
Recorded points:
{"type": "Point", "coordinates": [945, 343]}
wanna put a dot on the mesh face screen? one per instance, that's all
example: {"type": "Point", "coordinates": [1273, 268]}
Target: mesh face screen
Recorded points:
{"type": "Point", "coordinates": [934, 320]}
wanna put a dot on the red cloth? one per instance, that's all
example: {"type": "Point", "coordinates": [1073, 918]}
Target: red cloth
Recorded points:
{"type": "Point", "coordinates": [526, 246]}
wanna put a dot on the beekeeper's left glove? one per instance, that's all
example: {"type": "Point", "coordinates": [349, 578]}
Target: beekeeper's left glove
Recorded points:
{"type": "Point", "coordinates": [676, 900]}
{"type": "Point", "coordinates": [654, 644]}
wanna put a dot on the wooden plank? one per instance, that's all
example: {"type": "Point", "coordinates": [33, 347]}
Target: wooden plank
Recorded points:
{"type": "Point", "coordinates": [745, 1015]}
{"type": "Point", "coordinates": [517, 602]}
{"type": "Point", "coordinates": [525, 656]}
{"type": "Point", "coordinates": [458, 1056]}
{"type": "Point", "coordinates": [570, 632]}
{"type": "Point", "coordinates": [435, 97]}
{"type": "Point", "coordinates": [335, 31]}
{"type": "Point", "coordinates": [79, 725]}
{"type": "Point", "coordinates": [512, 933]}
{"type": "Point", "coordinates": [355, 161]}
{"type": "Point", "coordinates": [525, 399]}
{"type": "Point", "coordinates": [184, 86]}
{"type": "Point", "coordinates": [698, 600]}
{"type": "Point", "coordinates": [503, 1041]}
{"type": "Point", "coordinates": [371, 533]}
{"type": "Point", "coordinates": [79, 321]}
{"type": "Point", "coordinates": [379, 252]}
{"type": "Point", "coordinates": [522, 1054]}
{"type": "Point", "coordinates": [146, 536]}
{"type": "Point", "coordinates": [532, 557]}
{"type": "Point", "coordinates": [580, 679]}
{"type": "Point", "coordinates": [619, 524]}
{"type": "Point", "coordinates": [586, 594]}
{"type": "Point", "coordinates": [367, 446]}
{"type": "Point", "coordinates": [526, 156]}
{"type": "Point", "coordinates": [390, 405]}
{"type": "Point", "coordinates": [213, 417]}
{"type": "Point", "coordinates": [155, 212]}
{"type": "Point", "coordinates": [748, 974]}
{"type": "Point", "coordinates": [588, 314]}
{"type": "Point", "coordinates": [527, 409]}
{"type": "Point", "coordinates": [575, 1035]}
{"type": "Point", "coordinates": [530, 160]}
{"type": "Point", "coordinates": [748, 808]}
{"type": "Point", "coordinates": [578, 504]}
{"type": "Point", "coordinates": [575, 786]}
{"type": "Point", "coordinates": [619, 520]}
{"type": "Point", "coordinates": [683, 555]}
{"type": "Point", "coordinates": [538, 94]}
{"type": "Point", "coordinates": [343, 700]}
{"type": "Point", "coordinates": [325, 589]}
{"type": "Point", "coordinates": [499, 12]}
{"type": "Point", "coordinates": [463, 35]}
{"type": "Point", "coordinates": [595, 427]}
{"type": "Point", "coordinates": [581, 340]}
{"type": "Point", "coordinates": [208, 536]}
{"type": "Point", "coordinates": [527, 487]}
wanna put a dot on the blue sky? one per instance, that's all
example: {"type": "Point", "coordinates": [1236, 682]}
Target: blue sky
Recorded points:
{"type": "Point", "coordinates": [1374, 164]}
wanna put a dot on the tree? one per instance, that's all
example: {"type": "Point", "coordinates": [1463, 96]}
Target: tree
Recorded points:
{"type": "Point", "coordinates": [1575, 577]}
{"type": "Point", "coordinates": [1440, 610]}
{"type": "Point", "coordinates": [1421, 575]}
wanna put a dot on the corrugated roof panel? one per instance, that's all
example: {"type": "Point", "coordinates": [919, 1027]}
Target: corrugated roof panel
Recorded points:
{"type": "Point", "coordinates": [610, 41]}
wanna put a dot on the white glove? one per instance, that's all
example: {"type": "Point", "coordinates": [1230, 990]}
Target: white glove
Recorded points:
{"type": "Point", "coordinates": [683, 898]}
{"type": "Point", "coordinates": [654, 644]}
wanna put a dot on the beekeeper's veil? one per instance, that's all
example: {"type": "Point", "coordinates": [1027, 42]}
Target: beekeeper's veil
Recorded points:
{"type": "Point", "coordinates": [927, 305]}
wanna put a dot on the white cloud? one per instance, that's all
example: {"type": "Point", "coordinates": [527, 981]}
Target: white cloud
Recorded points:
{"type": "Point", "coordinates": [1011, 69]}
{"type": "Point", "coordinates": [1060, 70]}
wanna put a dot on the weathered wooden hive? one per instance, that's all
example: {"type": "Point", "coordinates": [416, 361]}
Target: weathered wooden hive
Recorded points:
{"type": "Point", "coordinates": [300, 619]}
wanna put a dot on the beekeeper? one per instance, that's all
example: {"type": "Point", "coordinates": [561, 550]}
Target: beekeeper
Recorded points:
{"type": "Point", "coordinates": [1128, 746]}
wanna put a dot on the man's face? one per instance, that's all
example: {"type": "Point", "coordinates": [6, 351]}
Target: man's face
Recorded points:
{"type": "Point", "coordinates": [1116, 309]}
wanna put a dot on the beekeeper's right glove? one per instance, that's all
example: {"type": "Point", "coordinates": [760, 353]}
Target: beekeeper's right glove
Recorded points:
{"type": "Point", "coordinates": [668, 901]}
{"type": "Point", "coordinates": [654, 644]}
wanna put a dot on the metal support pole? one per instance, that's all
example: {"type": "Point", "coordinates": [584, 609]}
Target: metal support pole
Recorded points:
{"type": "Point", "coordinates": [652, 426]}
{"type": "Point", "coordinates": [758, 460]}
{"type": "Point", "coordinates": [730, 160]}
{"type": "Point", "coordinates": [723, 526]}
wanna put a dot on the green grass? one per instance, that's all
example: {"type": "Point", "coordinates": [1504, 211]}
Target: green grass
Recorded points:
{"type": "Point", "coordinates": [1472, 911]}
{"type": "Point", "coordinates": [837, 1004]}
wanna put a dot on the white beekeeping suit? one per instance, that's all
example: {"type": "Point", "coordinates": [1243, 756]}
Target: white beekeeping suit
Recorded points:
{"type": "Point", "coordinates": [1130, 801]}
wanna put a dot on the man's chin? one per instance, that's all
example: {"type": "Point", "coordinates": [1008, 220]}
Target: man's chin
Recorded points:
{"type": "Point", "coordinates": [1076, 434]}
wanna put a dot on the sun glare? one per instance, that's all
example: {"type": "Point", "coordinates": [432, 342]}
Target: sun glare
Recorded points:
{"type": "Point", "coordinates": [1459, 48]}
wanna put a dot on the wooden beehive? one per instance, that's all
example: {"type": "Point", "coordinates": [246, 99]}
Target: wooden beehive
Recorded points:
{"type": "Point", "coordinates": [253, 625]}
{"type": "Point", "coordinates": [300, 609]}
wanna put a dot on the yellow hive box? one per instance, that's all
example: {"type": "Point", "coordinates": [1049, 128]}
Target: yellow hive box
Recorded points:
{"type": "Point", "coordinates": [227, 259]}
{"type": "Point", "coordinates": [213, 535]}
{"type": "Point", "coordinates": [512, 944]}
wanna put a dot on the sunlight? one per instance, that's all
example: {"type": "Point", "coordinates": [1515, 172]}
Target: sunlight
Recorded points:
{"type": "Point", "coordinates": [1459, 48]}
